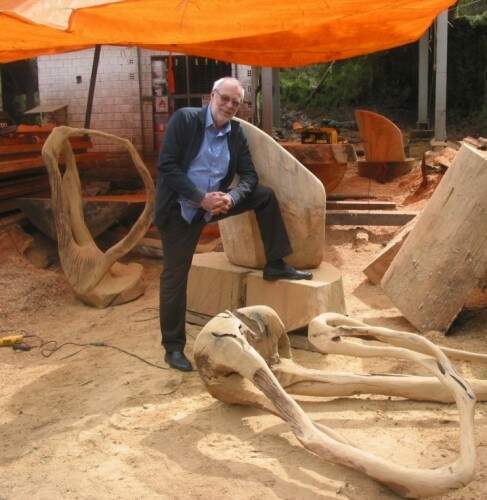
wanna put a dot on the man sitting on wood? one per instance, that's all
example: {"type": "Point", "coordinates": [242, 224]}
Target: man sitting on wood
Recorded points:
{"type": "Point", "coordinates": [202, 152]}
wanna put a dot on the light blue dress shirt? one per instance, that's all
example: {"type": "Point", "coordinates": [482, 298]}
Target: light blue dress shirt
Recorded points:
{"type": "Point", "coordinates": [210, 165]}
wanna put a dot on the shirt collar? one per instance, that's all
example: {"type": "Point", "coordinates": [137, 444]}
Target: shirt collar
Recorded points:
{"type": "Point", "coordinates": [209, 123]}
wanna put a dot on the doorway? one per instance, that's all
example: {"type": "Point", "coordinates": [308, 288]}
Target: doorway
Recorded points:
{"type": "Point", "coordinates": [180, 81]}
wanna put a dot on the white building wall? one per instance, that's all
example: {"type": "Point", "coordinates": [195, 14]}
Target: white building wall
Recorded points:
{"type": "Point", "coordinates": [116, 107]}
{"type": "Point", "coordinates": [119, 104]}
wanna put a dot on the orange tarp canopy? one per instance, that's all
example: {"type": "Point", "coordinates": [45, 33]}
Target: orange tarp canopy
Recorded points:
{"type": "Point", "coordinates": [279, 33]}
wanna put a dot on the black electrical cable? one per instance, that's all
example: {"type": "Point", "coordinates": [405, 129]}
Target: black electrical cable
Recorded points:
{"type": "Point", "coordinates": [49, 347]}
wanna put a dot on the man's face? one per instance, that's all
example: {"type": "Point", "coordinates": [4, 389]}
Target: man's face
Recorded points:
{"type": "Point", "coordinates": [224, 103]}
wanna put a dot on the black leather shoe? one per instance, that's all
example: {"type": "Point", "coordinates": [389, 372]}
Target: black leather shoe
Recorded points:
{"type": "Point", "coordinates": [177, 359]}
{"type": "Point", "coordinates": [287, 272]}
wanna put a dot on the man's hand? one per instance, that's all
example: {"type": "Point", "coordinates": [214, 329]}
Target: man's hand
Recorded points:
{"type": "Point", "coordinates": [217, 202]}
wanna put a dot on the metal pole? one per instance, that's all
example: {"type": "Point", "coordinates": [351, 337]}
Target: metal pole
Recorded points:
{"type": "Point", "coordinates": [276, 98]}
{"type": "Point", "coordinates": [440, 86]}
{"type": "Point", "coordinates": [267, 104]}
{"type": "Point", "coordinates": [141, 101]}
{"type": "Point", "coordinates": [423, 65]}
{"type": "Point", "coordinates": [91, 91]}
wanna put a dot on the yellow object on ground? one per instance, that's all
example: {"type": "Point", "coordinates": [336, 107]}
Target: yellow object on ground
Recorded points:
{"type": "Point", "coordinates": [285, 33]}
{"type": "Point", "coordinates": [11, 340]}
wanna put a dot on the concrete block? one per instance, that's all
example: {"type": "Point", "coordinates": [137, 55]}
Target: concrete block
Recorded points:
{"type": "Point", "coordinates": [297, 302]}
{"type": "Point", "coordinates": [215, 284]}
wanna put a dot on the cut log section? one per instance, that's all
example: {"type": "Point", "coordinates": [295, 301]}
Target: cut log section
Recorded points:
{"type": "Point", "coordinates": [445, 255]}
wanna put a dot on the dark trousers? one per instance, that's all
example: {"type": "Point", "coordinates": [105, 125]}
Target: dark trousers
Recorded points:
{"type": "Point", "coordinates": [179, 240]}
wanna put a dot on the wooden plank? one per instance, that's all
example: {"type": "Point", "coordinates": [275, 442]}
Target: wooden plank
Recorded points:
{"type": "Point", "coordinates": [360, 205]}
{"type": "Point", "coordinates": [77, 143]}
{"type": "Point", "coordinates": [19, 166]}
{"type": "Point", "coordinates": [445, 255]}
{"type": "Point", "coordinates": [352, 196]}
{"type": "Point", "coordinates": [14, 189]}
{"type": "Point", "coordinates": [368, 218]}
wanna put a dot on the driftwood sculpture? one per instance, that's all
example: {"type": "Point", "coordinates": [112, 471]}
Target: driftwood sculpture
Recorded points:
{"type": "Point", "coordinates": [244, 357]}
{"type": "Point", "coordinates": [96, 277]}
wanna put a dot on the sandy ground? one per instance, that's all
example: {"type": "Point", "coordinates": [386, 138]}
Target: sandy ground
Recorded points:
{"type": "Point", "coordinates": [96, 423]}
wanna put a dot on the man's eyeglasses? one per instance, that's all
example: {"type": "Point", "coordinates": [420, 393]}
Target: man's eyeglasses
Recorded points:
{"type": "Point", "coordinates": [227, 99]}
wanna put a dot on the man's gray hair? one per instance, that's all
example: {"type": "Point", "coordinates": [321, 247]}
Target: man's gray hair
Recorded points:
{"type": "Point", "coordinates": [221, 81]}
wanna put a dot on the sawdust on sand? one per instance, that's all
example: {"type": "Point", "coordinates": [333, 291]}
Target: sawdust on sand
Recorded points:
{"type": "Point", "coordinates": [93, 422]}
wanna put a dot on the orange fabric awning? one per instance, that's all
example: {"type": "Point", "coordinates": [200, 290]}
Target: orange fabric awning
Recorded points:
{"type": "Point", "coordinates": [278, 33]}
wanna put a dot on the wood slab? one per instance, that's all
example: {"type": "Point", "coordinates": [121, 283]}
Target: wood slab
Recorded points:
{"type": "Point", "coordinates": [21, 166]}
{"type": "Point", "coordinates": [445, 255]}
{"type": "Point", "coordinates": [301, 198]}
{"type": "Point", "coordinates": [14, 188]}
{"type": "Point", "coordinates": [368, 218]}
{"type": "Point", "coordinates": [378, 267]}
{"type": "Point", "coordinates": [385, 171]}
{"type": "Point", "coordinates": [359, 205]}
{"type": "Point", "coordinates": [383, 141]}
{"type": "Point", "coordinates": [328, 162]}
{"type": "Point", "coordinates": [99, 215]}
{"type": "Point", "coordinates": [77, 143]}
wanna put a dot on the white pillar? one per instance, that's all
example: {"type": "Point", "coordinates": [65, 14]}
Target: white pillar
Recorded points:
{"type": "Point", "coordinates": [423, 65]}
{"type": "Point", "coordinates": [440, 78]}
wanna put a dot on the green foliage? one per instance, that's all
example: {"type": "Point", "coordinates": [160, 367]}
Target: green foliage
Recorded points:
{"type": "Point", "coordinates": [327, 85]}
{"type": "Point", "coordinates": [389, 79]}
{"type": "Point", "coordinates": [467, 66]}
{"type": "Point", "coordinates": [352, 82]}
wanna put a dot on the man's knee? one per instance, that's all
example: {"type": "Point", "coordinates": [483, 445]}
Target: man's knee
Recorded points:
{"type": "Point", "coordinates": [264, 194]}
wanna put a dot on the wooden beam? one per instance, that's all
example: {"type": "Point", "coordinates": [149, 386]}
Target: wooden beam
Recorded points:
{"type": "Point", "coordinates": [360, 205]}
{"type": "Point", "coordinates": [77, 143]}
{"type": "Point", "coordinates": [30, 185]}
{"type": "Point", "coordinates": [368, 218]}
{"type": "Point", "coordinates": [20, 166]}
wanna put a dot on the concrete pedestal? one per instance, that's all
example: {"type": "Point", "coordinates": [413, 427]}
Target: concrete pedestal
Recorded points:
{"type": "Point", "coordinates": [215, 285]}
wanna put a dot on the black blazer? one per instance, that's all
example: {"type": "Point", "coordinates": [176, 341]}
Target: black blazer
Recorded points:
{"type": "Point", "coordinates": [182, 142]}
